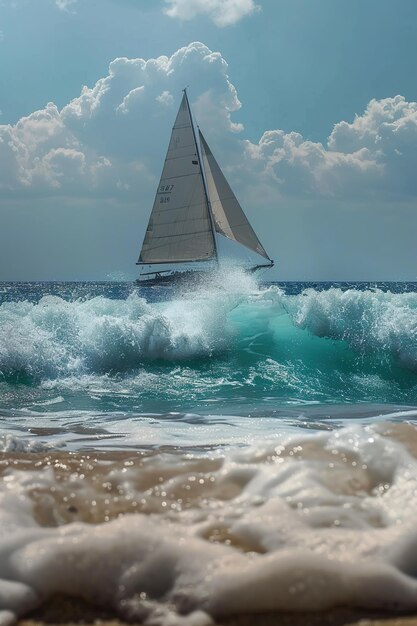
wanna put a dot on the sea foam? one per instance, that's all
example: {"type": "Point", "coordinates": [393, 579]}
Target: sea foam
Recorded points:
{"type": "Point", "coordinates": [369, 321]}
{"type": "Point", "coordinates": [308, 523]}
{"type": "Point", "coordinates": [56, 338]}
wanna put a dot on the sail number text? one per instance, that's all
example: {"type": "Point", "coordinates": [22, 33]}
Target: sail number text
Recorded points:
{"type": "Point", "coordinates": [165, 189]}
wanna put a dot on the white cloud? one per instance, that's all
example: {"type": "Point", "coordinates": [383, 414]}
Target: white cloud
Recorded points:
{"type": "Point", "coordinates": [109, 140]}
{"type": "Point", "coordinates": [40, 155]}
{"type": "Point", "coordinates": [375, 154]}
{"type": "Point", "coordinates": [388, 129]}
{"type": "Point", "coordinates": [66, 5]}
{"type": "Point", "coordinates": [381, 121]}
{"type": "Point", "coordinates": [131, 99]}
{"type": "Point", "coordinates": [165, 98]}
{"type": "Point", "coordinates": [221, 12]}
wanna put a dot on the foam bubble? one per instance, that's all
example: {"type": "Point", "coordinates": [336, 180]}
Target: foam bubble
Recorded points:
{"type": "Point", "coordinates": [13, 443]}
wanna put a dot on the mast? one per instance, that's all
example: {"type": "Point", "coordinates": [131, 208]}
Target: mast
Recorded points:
{"type": "Point", "coordinates": [213, 228]}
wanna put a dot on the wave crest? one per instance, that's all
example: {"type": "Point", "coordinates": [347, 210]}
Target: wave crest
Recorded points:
{"type": "Point", "coordinates": [55, 337]}
{"type": "Point", "coordinates": [369, 321]}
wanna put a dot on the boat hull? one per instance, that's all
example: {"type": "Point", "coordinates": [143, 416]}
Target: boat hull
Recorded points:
{"type": "Point", "coordinates": [189, 278]}
{"type": "Point", "coordinates": [175, 279]}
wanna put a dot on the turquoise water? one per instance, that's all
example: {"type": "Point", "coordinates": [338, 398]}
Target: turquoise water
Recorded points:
{"type": "Point", "coordinates": [79, 354]}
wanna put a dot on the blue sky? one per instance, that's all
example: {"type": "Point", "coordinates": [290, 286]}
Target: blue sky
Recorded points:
{"type": "Point", "coordinates": [77, 179]}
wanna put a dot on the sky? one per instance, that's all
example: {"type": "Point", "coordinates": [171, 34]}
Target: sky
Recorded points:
{"type": "Point", "coordinates": [308, 105]}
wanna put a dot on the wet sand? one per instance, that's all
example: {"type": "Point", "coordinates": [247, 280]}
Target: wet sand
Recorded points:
{"type": "Point", "coordinates": [64, 611]}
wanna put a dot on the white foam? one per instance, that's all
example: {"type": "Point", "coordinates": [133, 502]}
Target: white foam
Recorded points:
{"type": "Point", "coordinates": [14, 443]}
{"type": "Point", "coordinates": [369, 321]}
{"type": "Point", "coordinates": [308, 523]}
{"type": "Point", "coordinates": [59, 338]}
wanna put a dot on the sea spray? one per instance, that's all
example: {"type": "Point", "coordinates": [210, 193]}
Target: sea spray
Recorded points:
{"type": "Point", "coordinates": [55, 338]}
{"type": "Point", "coordinates": [370, 321]}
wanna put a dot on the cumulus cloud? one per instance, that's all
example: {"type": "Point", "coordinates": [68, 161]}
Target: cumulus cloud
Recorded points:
{"type": "Point", "coordinates": [388, 130]}
{"type": "Point", "coordinates": [375, 154]}
{"type": "Point", "coordinates": [109, 140]}
{"type": "Point", "coordinates": [106, 139]}
{"type": "Point", "coordinates": [66, 5]}
{"type": "Point", "coordinates": [221, 12]}
{"type": "Point", "coordinates": [165, 98]}
{"type": "Point", "coordinates": [40, 155]}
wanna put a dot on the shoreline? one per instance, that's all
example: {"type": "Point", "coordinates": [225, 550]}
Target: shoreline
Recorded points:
{"type": "Point", "coordinates": [66, 611]}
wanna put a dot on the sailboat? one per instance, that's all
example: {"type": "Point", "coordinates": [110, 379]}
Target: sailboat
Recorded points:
{"type": "Point", "coordinates": [194, 214]}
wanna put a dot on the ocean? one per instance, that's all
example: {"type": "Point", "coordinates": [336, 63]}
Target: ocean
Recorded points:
{"type": "Point", "coordinates": [181, 457]}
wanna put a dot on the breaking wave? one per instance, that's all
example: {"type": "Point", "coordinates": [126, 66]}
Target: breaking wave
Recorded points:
{"type": "Point", "coordinates": [369, 322]}
{"type": "Point", "coordinates": [323, 346]}
{"type": "Point", "coordinates": [58, 338]}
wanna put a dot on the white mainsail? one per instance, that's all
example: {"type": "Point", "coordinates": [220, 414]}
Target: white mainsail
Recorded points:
{"type": "Point", "coordinates": [229, 218]}
{"type": "Point", "coordinates": [180, 227]}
